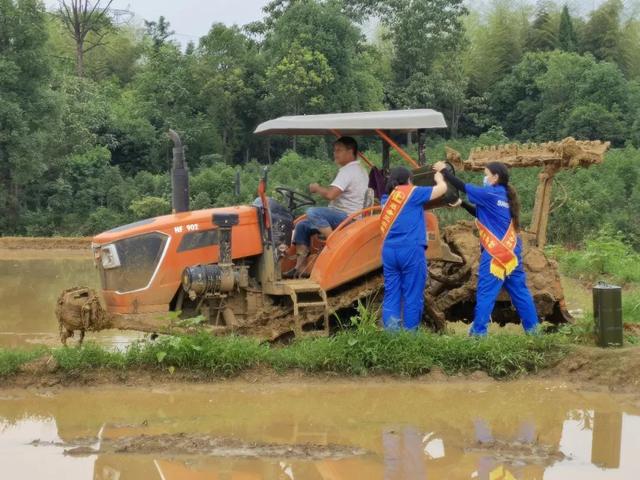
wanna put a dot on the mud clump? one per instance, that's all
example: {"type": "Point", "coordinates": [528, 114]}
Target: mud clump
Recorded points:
{"type": "Point", "coordinates": [451, 290]}
{"type": "Point", "coordinates": [46, 364]}
{"type": "Point", "coordinates": [194, 444]}
{"type": "Point", "coordinates": [518, 452]}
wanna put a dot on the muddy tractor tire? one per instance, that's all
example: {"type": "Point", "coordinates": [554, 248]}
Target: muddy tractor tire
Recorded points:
{"type": "Point", "coordinates": [79, 309]}
{"type": "Point", "coordinates": [451, 290]}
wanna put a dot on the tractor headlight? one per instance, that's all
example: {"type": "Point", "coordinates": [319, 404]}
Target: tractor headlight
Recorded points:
{"type": "Point", "coordinates": [109, 256]}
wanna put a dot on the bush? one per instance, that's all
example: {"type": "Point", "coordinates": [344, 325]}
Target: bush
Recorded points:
{"type": "Point", "coordinates": [148, 207]}
{"type": "Point", "coordinates": [605, 256]}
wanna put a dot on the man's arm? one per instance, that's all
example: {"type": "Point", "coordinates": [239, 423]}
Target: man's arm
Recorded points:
{"type": "Point", "coordinates": [329, 193]}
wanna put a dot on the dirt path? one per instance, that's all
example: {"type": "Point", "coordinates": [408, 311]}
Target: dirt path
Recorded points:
{"type": "Point", "coordinates": [45, 243]}
{"type": "Point", "coordinates": [44, 248]}
{"type": "Point", "coordinates": [615, 370]}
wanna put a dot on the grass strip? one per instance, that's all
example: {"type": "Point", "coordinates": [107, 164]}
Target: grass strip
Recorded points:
{"type": "Point", "coordinates": [367, 352]}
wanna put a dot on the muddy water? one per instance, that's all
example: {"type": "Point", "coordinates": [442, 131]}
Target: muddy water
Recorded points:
{"type": "Point", "coordinates": [30, 283]}
{"type": "Point", "coordinates": [368, 430]}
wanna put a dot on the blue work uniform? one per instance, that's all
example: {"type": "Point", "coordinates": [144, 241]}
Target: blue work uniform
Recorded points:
{"type": "Point", "coordinates": [492, 210]}
{"type": "Point", "coordinates": [404, 263]}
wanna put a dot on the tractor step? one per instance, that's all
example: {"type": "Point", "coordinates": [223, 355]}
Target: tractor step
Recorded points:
{"type": "Point", "coordinates": [307, 294]}
{"type": "Point", "coordinates": [311, 304]}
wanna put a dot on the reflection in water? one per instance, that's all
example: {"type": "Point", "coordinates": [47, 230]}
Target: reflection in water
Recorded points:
{"type": "Point", "coordinates": [607, 439]}
{"type": "Point", "coordinates": [437, 431]}
{"type": "Point", "coordinates": [403, 455]}
{"type": "Point", "coordinates": [28, 293]}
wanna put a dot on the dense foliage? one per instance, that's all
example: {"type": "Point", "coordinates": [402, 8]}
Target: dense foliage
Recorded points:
{"type": "Point", "coordinates": [83, 147]}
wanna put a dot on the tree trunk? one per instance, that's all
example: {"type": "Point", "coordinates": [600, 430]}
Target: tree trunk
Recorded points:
{"type": "Point", "coordinates": [80, 59]}
{"type": "Point", "coordinates": [10, 208]}
{"type": "Point", "coordinates": [455, 121]}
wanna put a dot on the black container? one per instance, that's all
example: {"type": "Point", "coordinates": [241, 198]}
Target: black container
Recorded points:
{"type": "Point", "coordinates": [423, 177]}
{"type": "Point", "coordinates": [607, 312]}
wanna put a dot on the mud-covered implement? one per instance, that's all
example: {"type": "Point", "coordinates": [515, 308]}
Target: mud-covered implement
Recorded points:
{"type": "Point", "coordinates": [221, 269]}
{"type": "Point", "coordinates": [451, 290]}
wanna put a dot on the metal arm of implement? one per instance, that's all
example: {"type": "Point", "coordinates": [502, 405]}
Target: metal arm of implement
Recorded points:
{"type": "Point", "coordinates": [551, 156]}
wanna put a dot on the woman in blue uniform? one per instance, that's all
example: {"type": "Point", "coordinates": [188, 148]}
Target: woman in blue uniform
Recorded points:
{"type": "Point", "coordinates": [497, 212]}
{"type": "Point", "coordinates": [403, 249]}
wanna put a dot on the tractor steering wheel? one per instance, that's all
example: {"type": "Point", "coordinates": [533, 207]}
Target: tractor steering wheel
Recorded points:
{"type": "Point", "coordinates": [294, 198]}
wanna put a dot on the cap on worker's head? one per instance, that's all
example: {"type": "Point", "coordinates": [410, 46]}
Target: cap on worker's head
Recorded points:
{"type": "Point", "coordinates": [398, 176]}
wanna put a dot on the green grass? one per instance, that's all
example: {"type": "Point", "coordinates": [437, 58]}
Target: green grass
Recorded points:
{"type": "Point", "coordinates": [605, 256]}
{"type": "Point", "coordinates": [359, 352]}
{"type": "Point", "coordinates": [12, 360]}
{"type": "Point", "coordinates": [631, 306]}
{"type": "Point", "coordinates": [409, 354]}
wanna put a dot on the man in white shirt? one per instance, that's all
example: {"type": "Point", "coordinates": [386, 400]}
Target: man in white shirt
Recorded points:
{"type": "Point", "coordinates": [345, 194]}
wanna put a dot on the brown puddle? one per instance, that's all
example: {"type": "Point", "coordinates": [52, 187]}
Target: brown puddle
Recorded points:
{"type": "Point", "coordinates": [342, 430]}
{"type": "Point", "coordinates": [29, 287]}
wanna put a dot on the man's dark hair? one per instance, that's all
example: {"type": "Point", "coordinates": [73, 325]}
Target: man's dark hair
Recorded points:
{"type": "Point", "coordinates": [349, 143]}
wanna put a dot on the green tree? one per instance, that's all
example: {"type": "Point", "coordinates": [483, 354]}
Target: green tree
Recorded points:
{"type": "Point", "coordinates": [543, 33]}
{"type": "Point", "coordinates": [165, 94]}
{"type": "Point", "coordinates": [497, 43]}
{"type": "Point", "coordinates": [158, 31]}
{"type": "Point", "coordinates": [572, 81]}
{"type": "Point", "coordinates": [299, 79]}
{"type": "Point", "coordinates": [228, 74]}
{"type": "Point", "coordinates": [602, 35]}
{"type": "Point", "coordinates": [556, 94]}
{"type": "Point", "coordinates": [567, 40]}
{"type": "Point", "coordinates": [87, 23]}
{"type": "Point", "coordinates": [27, 106]}
{"type": "Point", "coordinates": [148, 207]}
{"type": "Point", "coordinates": [629, 59]}
{"type": "Point", "coordinates": [324, 28]}
{"type": "Point", "coordinates": [515, 101]}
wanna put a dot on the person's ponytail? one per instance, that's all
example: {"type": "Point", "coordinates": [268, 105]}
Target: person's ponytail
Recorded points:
{"type": "Point", "coordinates": [501, 170]}
{"type": "Point", "coordinates": [514, 206]}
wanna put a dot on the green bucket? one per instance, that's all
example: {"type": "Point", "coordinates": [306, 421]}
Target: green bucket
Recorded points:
{"type": "Point", "coordinates": [607, 312]}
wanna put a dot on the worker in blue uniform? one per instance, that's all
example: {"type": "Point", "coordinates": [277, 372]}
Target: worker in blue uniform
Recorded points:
{"type": "Point", "coordinates": [497, 212]}
{"type": "Point", "coordinates": [403, 250]}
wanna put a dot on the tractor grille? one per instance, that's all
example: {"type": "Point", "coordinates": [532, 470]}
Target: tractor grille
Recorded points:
{"type": "Point", "coordinates": [139, 258]}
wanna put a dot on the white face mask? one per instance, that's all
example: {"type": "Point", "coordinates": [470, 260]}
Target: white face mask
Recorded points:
{"type": "Point", "coordinates": [485, 181]}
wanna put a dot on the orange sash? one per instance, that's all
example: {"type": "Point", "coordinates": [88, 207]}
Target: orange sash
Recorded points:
{"type": "Point", "coordinates": [395, 203]}
{"type": "Point", "coordinates": [504, 260]}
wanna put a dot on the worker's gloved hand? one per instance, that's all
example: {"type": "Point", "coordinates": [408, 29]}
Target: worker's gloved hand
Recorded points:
{"type": "Point", "coordinates": [439, 166]}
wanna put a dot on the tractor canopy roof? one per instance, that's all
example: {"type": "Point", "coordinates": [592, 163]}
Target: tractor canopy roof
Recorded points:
{"type": "Point", "coordinates": [357, 123]}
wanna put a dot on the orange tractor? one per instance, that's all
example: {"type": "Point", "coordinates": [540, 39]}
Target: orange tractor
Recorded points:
{"type": "Point", "coordinates": [220, 269]}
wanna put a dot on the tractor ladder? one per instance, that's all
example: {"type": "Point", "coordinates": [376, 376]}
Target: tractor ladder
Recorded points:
{"type": "Point", "coordinates": [306, 295]}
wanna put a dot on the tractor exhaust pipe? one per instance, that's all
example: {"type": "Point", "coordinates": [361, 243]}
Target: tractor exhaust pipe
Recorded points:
{"type": "Point", "coordinates": [179, 176]}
